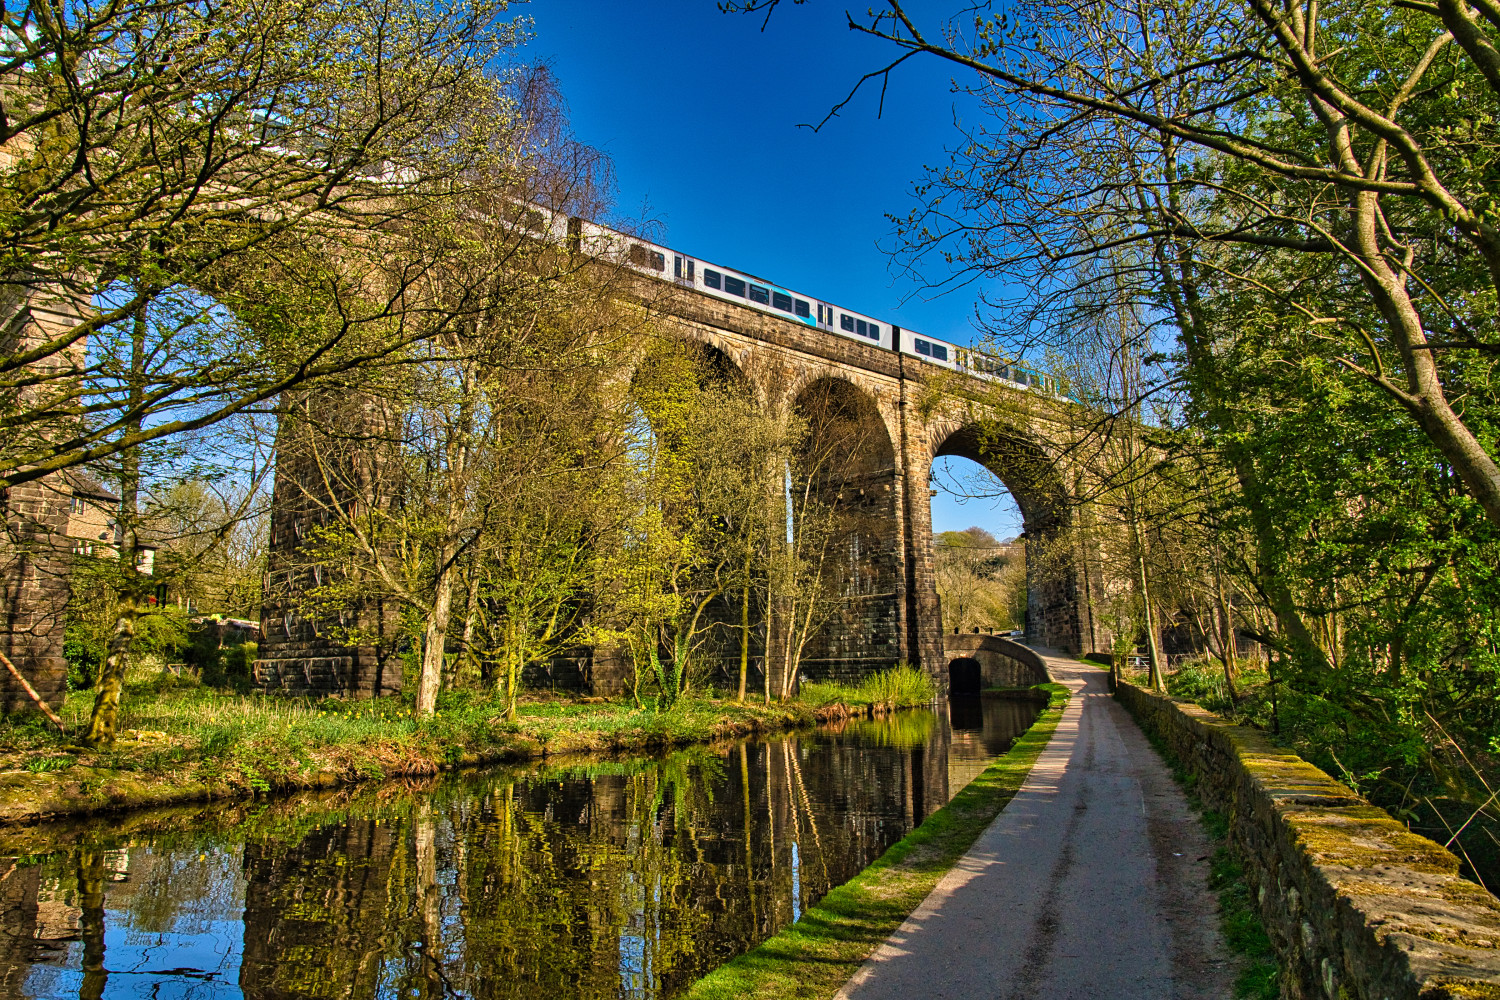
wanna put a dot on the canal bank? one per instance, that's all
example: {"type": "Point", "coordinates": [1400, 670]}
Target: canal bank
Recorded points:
{"type": "Point", "coordinates": [256, 747]}
{"type": "Point", "coordinates": [571, 878]}
{"type": "Point", "coordinates": [1093, 882]}
{"type": "Point", "coordinates": [1088, 878]}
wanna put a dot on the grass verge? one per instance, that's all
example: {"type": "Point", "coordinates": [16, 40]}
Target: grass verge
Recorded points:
{"type": "Point", "coordinates": [817, 955]}
{"type": "Point", "coordinates": [179, 743]}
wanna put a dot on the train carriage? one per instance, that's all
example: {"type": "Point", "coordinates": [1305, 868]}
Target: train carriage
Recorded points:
{"type": "Point", "coordinates": [755, 292]}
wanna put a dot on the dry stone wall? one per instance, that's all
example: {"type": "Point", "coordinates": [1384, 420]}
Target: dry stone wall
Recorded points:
{"type": "Point", "coordinates": [1357, 906]}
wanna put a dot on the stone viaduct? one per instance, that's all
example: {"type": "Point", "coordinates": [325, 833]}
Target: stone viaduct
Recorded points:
{"type": "Point", "coordinates": [910, 412]}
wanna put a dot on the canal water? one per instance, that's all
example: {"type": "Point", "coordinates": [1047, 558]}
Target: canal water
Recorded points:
{"type": "Point", "coordinates": [587, 879]}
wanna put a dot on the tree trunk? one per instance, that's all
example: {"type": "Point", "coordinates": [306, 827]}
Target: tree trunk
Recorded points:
{"type": "Point", "coordinates": [112, 676]}
{"type": "Point", "coordinates": [744, 639]}
{"type": "Point", "coordinates": [436, 637]}
{"type": "Point", "coordinates": [1153, 650]}
{"type": "Point", "coordinates": [1227, 640]}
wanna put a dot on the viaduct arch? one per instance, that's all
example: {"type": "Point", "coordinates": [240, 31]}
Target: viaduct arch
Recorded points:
{"type": "Point", "coordinates": [894, 414]}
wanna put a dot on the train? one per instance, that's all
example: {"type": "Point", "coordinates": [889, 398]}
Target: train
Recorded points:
{"type": "Point", "coordinates": [745, 289]}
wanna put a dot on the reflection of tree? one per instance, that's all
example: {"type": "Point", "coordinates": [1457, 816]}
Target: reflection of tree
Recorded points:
{"type": "Point", "coordinates": [91, 923]}
{"type": "Point", "coordinates": [316, 910]}
{"type": "Point", "coordinates": [598, 880]}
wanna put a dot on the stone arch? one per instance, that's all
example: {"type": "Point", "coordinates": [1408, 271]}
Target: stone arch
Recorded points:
{"type": "Point", "coordinates": [1031, 474]}
{"type": "Point", "coordinates": [713, 364]}
{"type": "Point", "coordinates": [848, 471]}
{"type": "Point", "coordinates": [964, 675]}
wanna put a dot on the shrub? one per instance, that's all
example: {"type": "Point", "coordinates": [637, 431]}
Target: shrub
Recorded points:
{"type": "Point", "coordinates": [902, 686]}
{"type": "Point", "coordinates": [898, 687]}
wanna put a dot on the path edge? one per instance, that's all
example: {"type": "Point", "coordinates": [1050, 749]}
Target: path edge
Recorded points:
{"type": "Point", "coordinates": [814, 957]}
{"type": "Point", "coordinates": [1356, 905]}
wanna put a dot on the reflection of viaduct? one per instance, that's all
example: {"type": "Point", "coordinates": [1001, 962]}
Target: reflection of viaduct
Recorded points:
{"type": "Point", "coordinates": [891, 611]}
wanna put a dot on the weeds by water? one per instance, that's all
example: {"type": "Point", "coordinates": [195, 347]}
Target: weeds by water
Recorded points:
{"type": "Point", "coordinates": [902, 686]}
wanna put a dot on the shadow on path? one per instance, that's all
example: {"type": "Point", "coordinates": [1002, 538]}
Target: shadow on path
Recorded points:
{"type": "Point", "coordinates": [1092, 883]}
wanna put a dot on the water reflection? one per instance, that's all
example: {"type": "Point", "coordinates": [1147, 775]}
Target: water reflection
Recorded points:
{"type": "Point", "coordinates": [591, 879]}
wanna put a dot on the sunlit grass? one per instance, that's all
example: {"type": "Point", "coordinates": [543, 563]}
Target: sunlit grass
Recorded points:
{"type": "Point", "coordinates": [902, 686]}
{"type": "Point", "coordinates": [173, 729]}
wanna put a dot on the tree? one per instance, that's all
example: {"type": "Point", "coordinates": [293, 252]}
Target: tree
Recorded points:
{"type": "Point", "coordinates": [979, 581]}
{"type": "Point", "coordinates": [1331, 132]}
{"type": "Point", "coordinates": [465, 479]}
{"type": "Point", "coordinates": [290, 161]}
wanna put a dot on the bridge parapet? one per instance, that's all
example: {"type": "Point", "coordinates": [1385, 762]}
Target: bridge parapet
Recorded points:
{"type": "Point", "coordinates": [1356, 904]}
{"type": "Point", "coordinates": [1002, 662]}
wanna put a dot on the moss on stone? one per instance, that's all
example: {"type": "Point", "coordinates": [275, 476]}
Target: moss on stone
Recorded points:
{"type": "Point", "coordinates": [1461, 989]}
{"type": "Point", "coordinates": [1306, 832]}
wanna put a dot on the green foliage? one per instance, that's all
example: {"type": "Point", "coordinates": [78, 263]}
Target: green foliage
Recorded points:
{"type": "Point", "coordinates": [41, 765]}
{"type": "Point", "coordinates": [162, 632]}
{"type": "Point", "coordinates": [89, 620]}
{"type": "Point", "coordinates": [902, 686]}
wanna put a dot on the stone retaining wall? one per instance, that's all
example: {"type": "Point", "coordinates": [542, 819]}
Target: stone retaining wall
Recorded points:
{"type": "Point", "coordinates": [1356, 905]}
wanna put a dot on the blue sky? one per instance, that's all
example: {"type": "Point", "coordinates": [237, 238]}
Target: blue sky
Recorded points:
{"type": "Point", "coordinates": [700, 112]}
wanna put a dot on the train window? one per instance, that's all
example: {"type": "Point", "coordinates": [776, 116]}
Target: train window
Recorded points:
{"type": "Point", "coordinates": [676, 267]}
{"type": "Point", "coordinates": [803, 309]}
{"type": "Point", "coordinates": [859, 328]}
{"type": "Point", "coordinates": [734, 286]}
{"type": "Point", "coordinates": [658, 261]}
{"type": "Point", "coordinates": [874, 333]}
{"type": "Point", "coordinates": [940, 352]}
{"type": "Point", "coordinates": [761, 295]}
{"type": "Point", "coordinates": [846, 321]}
{"type": "Point", "coordinates": [710, 277]}
{"type": "Point", "coordinates": [1003, 371]}
{"type": "Point", "coordinates": [782, 301]}
{"type": "Point", "coordinates": [690, 270]}
{"type": "Point", "coordinates": [924, 348]}
{"type": "Point", "coordinates": [638, 255]}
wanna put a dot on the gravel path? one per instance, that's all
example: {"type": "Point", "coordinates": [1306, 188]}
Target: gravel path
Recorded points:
{"type": "Point", "coordinates": [1091, 884]}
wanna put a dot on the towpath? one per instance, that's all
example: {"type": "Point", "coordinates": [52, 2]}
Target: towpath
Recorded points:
{"type": "Point", "coordinates": [1091, 884]}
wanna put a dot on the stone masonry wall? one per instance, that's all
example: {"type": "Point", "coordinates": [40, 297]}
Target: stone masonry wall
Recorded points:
{"type": "Point", "coordinates": [1357, 906]}
{"type": "Point", "coordinates": [1002, 663]}
{"type": "Point", "coordinates": [35, 566]}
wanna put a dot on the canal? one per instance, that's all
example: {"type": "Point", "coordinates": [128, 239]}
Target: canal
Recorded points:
{"type": "Point", "coordinates": [568, 879]}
